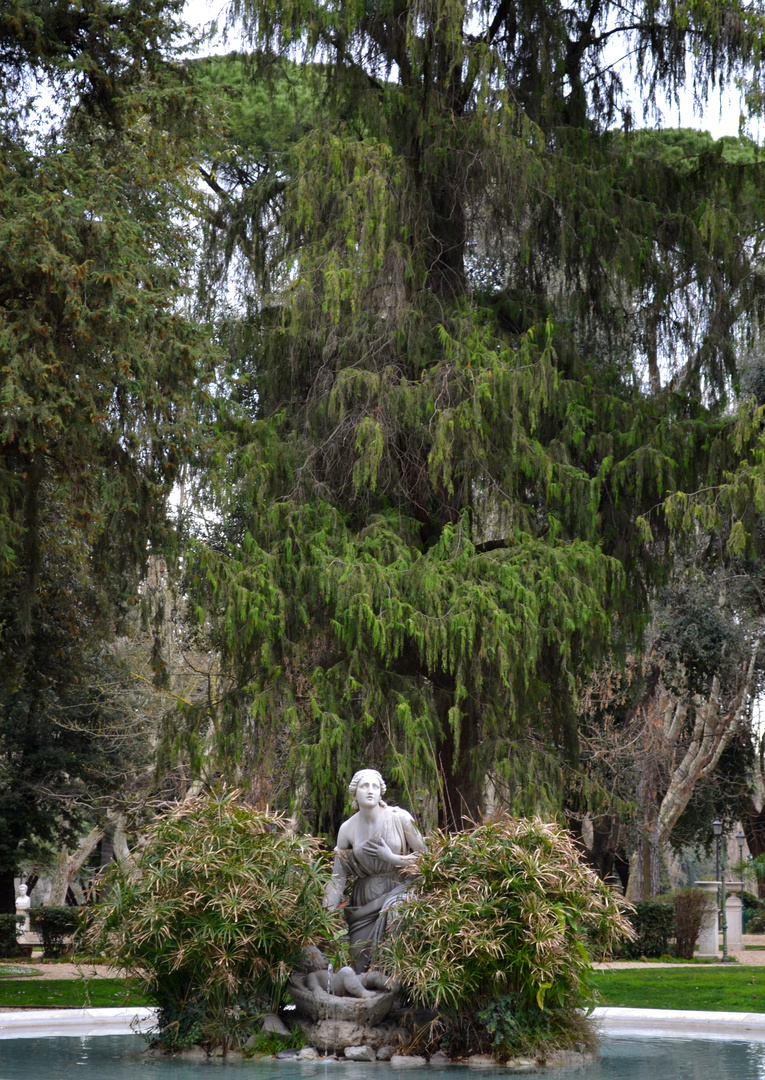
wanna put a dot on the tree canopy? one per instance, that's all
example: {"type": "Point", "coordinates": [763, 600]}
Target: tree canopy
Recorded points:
{"type": "Point", "coordinates": [99, 366]}
{"type": "Point", "coordinates": [483, 339]}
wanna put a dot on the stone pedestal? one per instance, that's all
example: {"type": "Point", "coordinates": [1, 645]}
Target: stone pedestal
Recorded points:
{"type": "Point", "coordinates": [708, 934]}
{"type": "Point", "coordinates": [733, 912]}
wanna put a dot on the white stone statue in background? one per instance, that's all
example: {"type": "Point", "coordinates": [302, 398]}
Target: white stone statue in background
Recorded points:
{"type": "Point", "coordinates": [373, 848]}
{"type": "Point", "coordinates": [23, 904]}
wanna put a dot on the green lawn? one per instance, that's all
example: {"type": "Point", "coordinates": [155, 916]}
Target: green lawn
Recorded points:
{"type": "Point", "coordinates": [734, 989]}
{"type": "Point", "coordinates": [69, 993]}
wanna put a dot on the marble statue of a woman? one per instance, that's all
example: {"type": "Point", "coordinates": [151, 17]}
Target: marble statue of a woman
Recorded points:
{"type": "Point", "coordinates": [373, 848]}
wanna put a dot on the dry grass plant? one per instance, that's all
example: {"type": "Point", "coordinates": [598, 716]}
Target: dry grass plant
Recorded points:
{"type": "Point", "coordinates": [493, 938]}
{"type": "Point", "coordinates": [213, 916]}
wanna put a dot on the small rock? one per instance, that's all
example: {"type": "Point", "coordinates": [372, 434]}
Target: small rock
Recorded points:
{"type": "Point", "coordinates": [194, 1053]}
{"type": "Point", "coordinates": [286, 1055]}
{"type": "Point", "coordinates": [234, 1055]}
{"type": "Point", "coordinates": [440, 1058]}
{"type": "Point", "coordinates": [308, 1053]}
{"type": "Point", "coordinates": [271, 1022]}
{"type": "Point", "coordinates": [520, 1064]}
{"type": "Point", "coordinates": [360, 1053]}
{"type": "Point", "coordinates": [385, 1053]}
{"type": "Point", "coordinates": [407, 1061]}
{"type": "Point", "coordinates": [556, 1058]}
{"type": "Point", "coordinates": [481, 1061]}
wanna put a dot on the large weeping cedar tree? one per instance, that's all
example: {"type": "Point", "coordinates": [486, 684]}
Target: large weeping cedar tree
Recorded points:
{"type": "Point", "coordinates": [97, 369]}
{"type": "Point", "coordinates": [483, 329]}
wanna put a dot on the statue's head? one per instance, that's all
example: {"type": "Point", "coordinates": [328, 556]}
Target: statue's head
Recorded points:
{"type": "Point", "coordinates": [361, 777]}
{"type": "Point", "coordinates": [22, 889]}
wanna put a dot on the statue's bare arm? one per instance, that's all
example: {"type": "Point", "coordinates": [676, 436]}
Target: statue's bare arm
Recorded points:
{"type": "Point", "coordinates": [336, 884]}
{"type": "Point", "coordinates": [413, 835]}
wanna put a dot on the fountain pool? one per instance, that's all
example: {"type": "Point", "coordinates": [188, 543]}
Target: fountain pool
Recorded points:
{"type": "Point", "coordinates": [123, 1057]}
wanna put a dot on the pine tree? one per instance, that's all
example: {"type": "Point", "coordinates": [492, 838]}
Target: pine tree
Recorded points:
{"type": "Point", "coordinates": [99, 367]}
{"type": "Point", "coordinates": [448, 443]}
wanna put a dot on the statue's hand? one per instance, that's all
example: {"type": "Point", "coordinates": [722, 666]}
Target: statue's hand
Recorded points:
{"type": "Point", "coordinates": [378, 847]}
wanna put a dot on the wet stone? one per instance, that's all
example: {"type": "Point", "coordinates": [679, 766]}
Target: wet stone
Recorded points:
{"type": "Point", "coordinates": [360, 1053]}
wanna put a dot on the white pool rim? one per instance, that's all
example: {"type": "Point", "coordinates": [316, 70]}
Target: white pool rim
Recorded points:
{"type": "Point", "coordinates": [691, 1023]}
{"type": "Point", "coordinates": [41, 1023]}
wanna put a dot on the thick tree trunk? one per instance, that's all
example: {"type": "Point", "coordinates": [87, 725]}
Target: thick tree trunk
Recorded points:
{"type": "Point", "coordinates": [601, 844]}
{"type": "Point", "coordinates": [462, 785]}
{"type": "Point", "coordinates": [714, 726]}
{"type": "Point", "coordinates": [754, 831]}
{"type": "Point", "coordinates": [7, 892]}
{"type": "Point", "coordinates": [448, 235]}
{"type": "Point", "coordinates": [666, 718]}
{"type": "Point", "coordinates": [647, 879]}
{"type": "Point", "coordinates": [68, 865]}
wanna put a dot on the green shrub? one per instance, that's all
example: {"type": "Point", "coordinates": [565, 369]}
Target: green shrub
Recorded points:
{"type": "Point", "coordinates": [494, 932]}
{"type": "Point", "coordinates": [756, 925]}
{"type": "Point", "coordinates": [691, 905]}
{"type": "Point", "coordinates": [55, 925]}
{"type": "Point", "coordinates": [9, 926]}
{"type": "Point", "coordinates": [654, 924]}
{"type": "Point", "coordinates": [213, 917]}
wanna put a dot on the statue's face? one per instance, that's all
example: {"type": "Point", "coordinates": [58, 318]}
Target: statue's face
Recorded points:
{"type": "Point", "coordinates": [368, 791]}
{"type": "Point", "coordinates": [23, 890]}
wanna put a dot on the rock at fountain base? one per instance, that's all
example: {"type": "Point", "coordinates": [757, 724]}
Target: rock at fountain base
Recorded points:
{"type": "Point", "coordinates": [336, 1035]}
{"type": "Point", "coordinates": [360, 1053]}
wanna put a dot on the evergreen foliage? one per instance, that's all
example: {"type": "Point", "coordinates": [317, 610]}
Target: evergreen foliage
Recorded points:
{"type": "Point", "coordinates": [484, 342]}
{"type": "Point", "coordinates": [99, 365]}
{"type": "Point", "coordinates": [213, 916]}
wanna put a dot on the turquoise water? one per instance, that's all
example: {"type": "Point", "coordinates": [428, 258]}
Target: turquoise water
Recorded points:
{"type": "Point", "coordinates": [123, 1057]}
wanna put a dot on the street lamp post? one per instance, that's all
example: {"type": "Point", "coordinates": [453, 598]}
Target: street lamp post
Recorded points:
{"type": "Point", "coordinates": [740, 838]}
{"type": "Point", "coordinates": [717, 829]}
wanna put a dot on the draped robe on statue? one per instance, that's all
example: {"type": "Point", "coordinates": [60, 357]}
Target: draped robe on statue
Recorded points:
{"type": "Point", "coordinates": [377, 886]}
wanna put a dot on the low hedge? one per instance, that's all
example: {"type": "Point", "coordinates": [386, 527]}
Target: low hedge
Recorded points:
{"type": "Point", "coordinates": [654, 924]}
{"type": "Point", "coordinates": [9, 927]}
{"type": "Point", "coordinates": [691, 905]}
{"type": "Point", "coordinates": [54, 925]}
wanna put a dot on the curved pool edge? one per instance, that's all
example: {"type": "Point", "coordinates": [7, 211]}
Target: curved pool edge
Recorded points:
{"type": "Point", "coordinates": [612, 1020]}
{"type": "Point", "coordinates": [37, 1023]}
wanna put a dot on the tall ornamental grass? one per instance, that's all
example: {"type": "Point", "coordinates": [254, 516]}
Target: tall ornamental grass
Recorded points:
{"type": "Point", "coordinates": [213, 917]}
{"type": "Point", "coordinates": [493, 937]}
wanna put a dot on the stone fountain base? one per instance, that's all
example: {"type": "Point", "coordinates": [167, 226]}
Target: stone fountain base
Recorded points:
{"type": "Point", "coordinates": [337, 1021]}
{"type": "Point", "coordinates": [336, 1035]}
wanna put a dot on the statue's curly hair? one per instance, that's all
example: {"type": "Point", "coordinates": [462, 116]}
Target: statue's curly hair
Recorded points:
{"type": "Point", "coordinates": [355, 783]}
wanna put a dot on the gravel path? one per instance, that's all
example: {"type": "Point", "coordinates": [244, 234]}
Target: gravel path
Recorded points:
{"type": "Point", "coordinates": [66, 971]}
{"type": "Point", "coordinates": [746, 958]}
